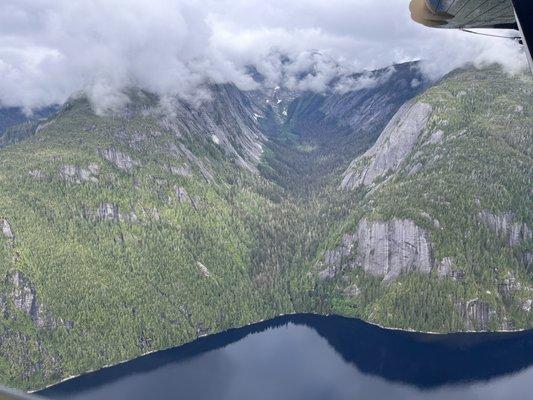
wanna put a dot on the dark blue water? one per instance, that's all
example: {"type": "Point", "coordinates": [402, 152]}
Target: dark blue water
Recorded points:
{"type": "Point", "coordinates": [311, 357]}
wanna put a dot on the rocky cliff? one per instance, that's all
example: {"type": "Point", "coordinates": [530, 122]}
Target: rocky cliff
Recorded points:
{"type": "Point", "coordinates": [394, 144]}
{"type": "Point", "coordinates": [146, 228]}
{"type": "Point", "coordinates": [436, 193]}
{"type": "Point", "coordinates": [383, 249]}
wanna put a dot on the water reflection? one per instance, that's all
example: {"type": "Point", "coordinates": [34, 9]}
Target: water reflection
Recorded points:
{"type": "Point", "coordinates": [311, 357]}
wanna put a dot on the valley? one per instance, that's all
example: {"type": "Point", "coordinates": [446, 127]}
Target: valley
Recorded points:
{"type": "Point", "coordinates": [405, 203]}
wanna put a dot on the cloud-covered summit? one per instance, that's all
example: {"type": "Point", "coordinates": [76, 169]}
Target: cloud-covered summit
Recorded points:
{"type": "Point", "coordinates": [52, 48]}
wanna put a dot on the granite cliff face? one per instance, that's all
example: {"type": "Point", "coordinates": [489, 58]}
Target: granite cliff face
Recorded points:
{"type": "Point", "coordinates": [478, 315]}
{"type": "Point", "coordinates": [366, 107]}
{"type": "Point", "coordinates": [435, 189]}
{"type": "Point", "coordinates": [390, 248]}
{"type": "Point", "coordinates": [23, 297]}
{"type": "Point", "coordinates": [382, 249]}
{"type": "Point", "coordinates": [394, 144]}
{"type": "Point", "coordinates": [149, 227]}
{"type": "Point", "coordinates": [227, 120]}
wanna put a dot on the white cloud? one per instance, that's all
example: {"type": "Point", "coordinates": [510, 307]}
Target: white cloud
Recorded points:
{"type": "Point", "coordinates": [52, 48]}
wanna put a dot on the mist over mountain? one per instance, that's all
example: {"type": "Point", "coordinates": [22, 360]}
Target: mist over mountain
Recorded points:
{"type": "Point", "coordinates": [171, 169]}
{"type": "Point", "coordinates": [378, 196]}
{"type": "Point", "coordinates": [50, 49]}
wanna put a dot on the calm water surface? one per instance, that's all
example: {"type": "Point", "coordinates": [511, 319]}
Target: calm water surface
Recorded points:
{"type": "Point", "coordinates": [311, 357]}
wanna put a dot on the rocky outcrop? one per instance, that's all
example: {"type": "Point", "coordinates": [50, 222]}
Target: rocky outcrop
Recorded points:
{"type": "Point", "coordinates": [505, 226]}
{"type": "Point", "coordinates": [225, 121]}
{"type": "Point", "coordinates": [446, 269]}
{"type": "Point", "coordinates": [477, 315]}
{"type": "Point", "coordinates": [23, 296]}
{"type": "Point", "coordinates": [182, 170]}
{"type": "Point", "coordinates": [329, 272]}
{"type": "Point", "coordinates": [362, 103]}
{"type": "Point", "coordinates": [182, 195]}
{"type": "Point", "coordinates": [390, 248]}
{"type": "Point", "coordinates": [393, 146]}
{"type": "Point", "coordinates": [338, 258]}
{"type": "Point", "coordinates": [6, 229]}
{"type": "Point", "coordinates": [509, 286]}
{"type": "Point", "coordinates": [203, 269]}
{"type": "Point", "coordinates": [527, 259]}
{"type": "Point", "coordinates": [352, 291]}
{"type": "Point", "coordinates": [381, 248]}
{"type": "Point", "coordinates": [204, 170]}
{"type": "Point", "coordinates": [121, 160]}
{"type": "Point", "coordinates": [36, 174]}
{"type": "Point", "coordinates": [109, 212]}
{"type": "Point", "coordinates": [77, 174]}
{"type": "Point", "coordinates": [185, 198]}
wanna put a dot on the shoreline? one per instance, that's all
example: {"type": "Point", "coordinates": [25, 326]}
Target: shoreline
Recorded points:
{"type": "Point", "coordinates": [68, 378]}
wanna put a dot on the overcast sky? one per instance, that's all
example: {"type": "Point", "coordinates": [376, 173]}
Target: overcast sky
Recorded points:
{"type": "Point", "coordinates": [50, 49]}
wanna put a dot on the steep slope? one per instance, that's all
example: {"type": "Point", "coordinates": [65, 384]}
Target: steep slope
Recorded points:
{"type": "Point", "coordinates": [15, 125]}
{"type": "Point", "coordinates": [144, 229]}
{"type": "Point", "coordinates": [323, 131]}
{"type": "Point", "coordinates": [446, 216]}
{"type": "Point", "coordinates": [129, 233]}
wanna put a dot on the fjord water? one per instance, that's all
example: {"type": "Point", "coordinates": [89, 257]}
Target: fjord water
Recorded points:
{"type": "Point", "coordinates": [313, 357]}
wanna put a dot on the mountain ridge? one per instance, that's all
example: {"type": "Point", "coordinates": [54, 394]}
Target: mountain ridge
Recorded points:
{"type": "Point", "coordinates": [127, 233]}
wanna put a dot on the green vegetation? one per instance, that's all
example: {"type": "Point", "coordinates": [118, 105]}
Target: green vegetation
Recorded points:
{"type": "Point", "coordinates": [482, 162]}
{"type": "Point", "coordinates": [126, 258]}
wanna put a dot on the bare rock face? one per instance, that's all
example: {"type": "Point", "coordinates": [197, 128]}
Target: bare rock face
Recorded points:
{"type": "Point", "coordinates": [77, 174]}
{"type": "Point", "coordinates": [6, 229]}
{"type": "Point", "coordinates": [185, 198]}
{"type": "Point", "coordinates": [203, 269]}
{"type": "Point", "coordinates": [477, 314]}
{"type": "Point", "coordinates": [384, 249]}
{"type": "Point", "coordinates": [504, 226]}
{"type": "Point", "coordinates": [527, 259]}
{"type": "Point", "coordinates": [182, 195]}
{"type": "Point", "coordinates": [338, 258]}
{"type": "Point", "coordinates": [328, 273]}
{"type": "Point", "coordinates": [352, 291]}
{"type": "Point", "coordinates": [509, 286]}
{"type": "Point", "coordinates": [393, 146]}
{"type": "Point", "coordinates": [446, 269]}
{"type": "Point", "coordinates": [36, 174]}
{"type": "Point", "coordinates": [436, 137]}
{"type": "Point", "coordinates": [204, 170]}
{"type": "Point", "coordinates": [225, 121]}
{"type": "Point", "coordinates": [182, 170]}
{"type": "Point", "coordinates": [390, 248]}
{"type": "Point", "coordinates": [109, 212]}
{"type": "Point", "coordinates": [23, 296]}
{"type": "Point", "coordinates": [121, 160]}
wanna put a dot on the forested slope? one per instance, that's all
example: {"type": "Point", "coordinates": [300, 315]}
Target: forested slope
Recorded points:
{"type": "Point", "coordinates": [143, 229]}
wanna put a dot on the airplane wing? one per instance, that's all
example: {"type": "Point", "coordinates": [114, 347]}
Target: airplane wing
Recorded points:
{"type": "Point", "coordinates": [498, 14]}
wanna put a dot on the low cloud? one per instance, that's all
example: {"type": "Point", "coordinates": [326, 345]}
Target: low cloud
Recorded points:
{"type": "Point", "coordinates": [50, 49]}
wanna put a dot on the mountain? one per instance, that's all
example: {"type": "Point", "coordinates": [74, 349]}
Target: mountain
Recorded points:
{"type": "Point", "coordinates": [445, 223]}
{"type": "Point", "coordinates": [15, 125]}
{"type": "Point", "coordinates": [383, 197]}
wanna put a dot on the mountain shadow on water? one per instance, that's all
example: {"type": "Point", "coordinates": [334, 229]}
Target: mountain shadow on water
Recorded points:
{"type": "Point", "coordinates": [426, 361]}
